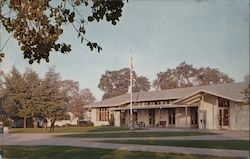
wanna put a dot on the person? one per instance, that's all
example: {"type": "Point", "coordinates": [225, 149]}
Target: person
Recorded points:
{"type": "Point", "coordinates": [45, 123]}
{"type": "Point", "coordinates": [52, 126]}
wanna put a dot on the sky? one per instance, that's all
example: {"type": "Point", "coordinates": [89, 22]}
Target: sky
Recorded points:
{"type": "Point", "coordinates": [160, 33]}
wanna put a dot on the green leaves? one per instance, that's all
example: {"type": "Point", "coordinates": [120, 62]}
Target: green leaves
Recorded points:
{"type": "Point", "coordinates": [185, 75]}
{"type": "Point", "coordinates": [38, 25]}
{"type": "Point", "coordinates": [114, 83]}
{"type": "Point", "coordinates": [94, 45]}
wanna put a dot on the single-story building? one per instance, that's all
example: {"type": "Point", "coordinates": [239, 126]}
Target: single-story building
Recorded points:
{"type": "Point", "coordinates": [205, 107]}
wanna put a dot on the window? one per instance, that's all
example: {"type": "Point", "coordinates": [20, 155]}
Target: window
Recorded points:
{"type": "Point", "coordinates": [223, 102]}
{"type": "Point", "coordinates": [103, 114]}
{"type": "Point", "coordinates": [166, 102]}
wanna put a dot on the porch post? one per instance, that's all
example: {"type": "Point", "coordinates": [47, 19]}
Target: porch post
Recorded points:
{"type": "Point", "coordinates": [186, 115]}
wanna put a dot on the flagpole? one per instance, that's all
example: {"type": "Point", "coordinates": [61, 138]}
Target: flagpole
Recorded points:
{"type": "Point", "coordinates": [131, 91]}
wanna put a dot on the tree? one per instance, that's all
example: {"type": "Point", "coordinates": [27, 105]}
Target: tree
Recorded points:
{"type": "Point", "coordinates": [53, 99]}
{"type": "Point", "coordinates": [70, 87]}
{"type": "Point", "coordinates": [22, 95]}
{"type": "Point", "coordinates": [141, 84]}
{"type": "Point", "coordinates": [79, 100]}
{"type": "Point", "coordinates": [185, 75]}
{"type": "Point", "coordinates": [38, 25]}
{"type": "Point", "coordinates": [14, 94]}
{"type": "Point", "coordinates": [33, 105]}
{"type": "Point", "coordinates": [117, 82]}
{"type": "Point", "coordinates": [2, 75]}
{"type": "Point", "coordinates": [246, 91]}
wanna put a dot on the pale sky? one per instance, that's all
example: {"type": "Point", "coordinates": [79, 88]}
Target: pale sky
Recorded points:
{"type": "Point", "coordinates": [161, 34]}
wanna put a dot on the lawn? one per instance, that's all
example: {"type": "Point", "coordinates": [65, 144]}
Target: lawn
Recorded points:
{"type": "Point", "coordinates": [57, 152]}
{"type": "Point", "coordinates": [138, 134]}
{"type": "Point", "coordinates": [221, 144]}
{"type": "Point", "coordinates": [69, 129]}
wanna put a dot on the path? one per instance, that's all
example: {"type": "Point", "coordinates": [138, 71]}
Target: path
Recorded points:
{"type": "Point", "coordinates": [51, 139]}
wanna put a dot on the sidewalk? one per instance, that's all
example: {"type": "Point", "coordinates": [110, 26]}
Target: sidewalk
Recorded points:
{"type": "Point", "coordinates": [48, 139]}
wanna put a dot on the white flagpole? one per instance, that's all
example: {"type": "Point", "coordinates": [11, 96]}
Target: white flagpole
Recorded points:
{"type": "Point", "coordinates": [131, 91]}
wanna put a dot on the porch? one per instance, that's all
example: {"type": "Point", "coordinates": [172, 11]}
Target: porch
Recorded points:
{"type": "Point", "coordinates": [158, 116]}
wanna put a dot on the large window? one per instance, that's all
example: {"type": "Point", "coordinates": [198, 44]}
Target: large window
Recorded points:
{"type": "Point", "coordinates": [103, 114]}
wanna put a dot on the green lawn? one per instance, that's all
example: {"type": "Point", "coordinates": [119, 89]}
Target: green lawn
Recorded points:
{"type": "Point", "coordinates": [221, 144]}
{"type": "Point", "coordinates": [138, 134]}
{"type": "Point", "coordinates": [69, 129]}
{"type": "Point", "coordinates": [57, 152]}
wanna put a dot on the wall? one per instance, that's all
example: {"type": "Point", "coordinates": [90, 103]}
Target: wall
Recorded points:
{"type": "Point", "coordinates": [94, 119]}
{"type": "Point", "coordinates": [180, 117]}
{"type": "Point", "coordinates": [72, 121]}
{"type": "Point", "coordinates": [164, 115]}
{"type": "Point", "coordinates": [209, 105]}
{"type": "Point", "coordinates": [117, 118]}
{"type": "Point", "coordinates": [142, 115]}
{"type": "Point", "coordinates": [239, 116]}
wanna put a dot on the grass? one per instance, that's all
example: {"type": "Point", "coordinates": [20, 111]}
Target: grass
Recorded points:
{"type": "Point", "coordinates": [221, 144]}
{"type": "Point", "coordinates": [57, 152]}
{"type": "Point", "coordinates": [69, 129]}
{"type": "Point", "coordinates": [138, 134]}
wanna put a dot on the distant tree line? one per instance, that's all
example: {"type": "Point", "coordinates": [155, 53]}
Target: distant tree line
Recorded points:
{"type": "Point", "coordinates": [29, 97]}
{"type": "Point", "coordinates": [114, 83]}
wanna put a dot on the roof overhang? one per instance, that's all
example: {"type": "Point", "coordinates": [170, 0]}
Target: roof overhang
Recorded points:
{"type": "Point", "coordinates": [152, 107]}
{"type": "Point", "coordinates": [198, 93]}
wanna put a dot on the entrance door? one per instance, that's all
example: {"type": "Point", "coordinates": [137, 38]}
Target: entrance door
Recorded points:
{"type": "Point", "coordinates": [194, 117]}
{"type": "Point", "coordinates": [123, 118]}
{"type": "Point", "coordinates": [151, 117]}
{"type": "Point", "coordinates": [171, 117]}
{"type": "Point", "coordinates": [224, 118]}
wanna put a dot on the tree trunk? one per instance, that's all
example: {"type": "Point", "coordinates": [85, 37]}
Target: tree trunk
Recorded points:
{"type": "Point", "coordinates": [24, 122]}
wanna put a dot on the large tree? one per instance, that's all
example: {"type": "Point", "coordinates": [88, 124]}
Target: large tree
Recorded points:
{"type": "Point", "coordinates": [54, 100]}
{"type": "Point", "coordinates": [117, 82]}
{"type": "Point", "coordinates": [37, 25]}
{"type": "Point", "coordinates": [22, 95]}
{"type": "Point", "coordinates": [185, 75]}
{"type": "Point", "coordinates": [33, 105]}
{"type": "Point", "coordinates": [79, 100]}
{"type": "Point", "coordinates": [15, 95]}
{"type": "Point", "coordinates": [76, 99]}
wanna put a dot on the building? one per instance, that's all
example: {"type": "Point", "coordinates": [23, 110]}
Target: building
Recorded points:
{"type": "Point", "coordinates": [204, 107]}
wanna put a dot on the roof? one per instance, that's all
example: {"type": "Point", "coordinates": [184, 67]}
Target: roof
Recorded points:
{"type": "Point", "coordinates": [231, 91]}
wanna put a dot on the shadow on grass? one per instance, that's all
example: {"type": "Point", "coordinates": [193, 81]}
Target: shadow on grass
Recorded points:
{"type": "Point", "coordinates": [137, 134]}
{"type": "Point", "coordinates": [62, 152]}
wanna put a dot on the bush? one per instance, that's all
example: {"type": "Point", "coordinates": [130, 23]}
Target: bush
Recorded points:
{"type": "Point", "coordinates": [85, 123]}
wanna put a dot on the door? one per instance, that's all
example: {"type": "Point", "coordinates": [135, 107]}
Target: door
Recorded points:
{"type": "Point", "coordinates": [171, 117]}
{"type": "Point", "coordinates": [151, 117]}
{"type": "Point", "coordinates": [224, 118]}
{"type": "Point", "coordinates": [194, 117]}
{"type": "Point", "coordinates": [123, 118]}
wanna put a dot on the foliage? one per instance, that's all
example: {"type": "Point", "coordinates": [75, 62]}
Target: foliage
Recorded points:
{"type": "Point", "coordinates": [38, 25]}
{"type": "Point", "coordinates": [53, 99]}
{"type": "Point", "coordinates": [117, 82]}
{"type": "Point", "coordinates": [246, 91]}
{"type": "Point", "coordinates": [185, 75]}
{"type": "Point", "coordinates": [14, 93]}
{"type": "Point", "coordinates": [28, 96]}
{"type": "Point", "coordinates": [79, 100]}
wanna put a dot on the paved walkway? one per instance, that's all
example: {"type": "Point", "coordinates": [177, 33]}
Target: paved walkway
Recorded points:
{"type": "Point", "coordinates": [51, 139]}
